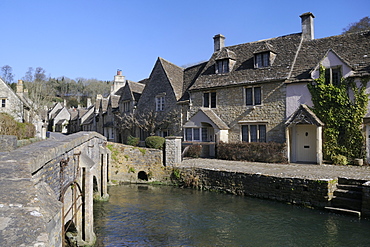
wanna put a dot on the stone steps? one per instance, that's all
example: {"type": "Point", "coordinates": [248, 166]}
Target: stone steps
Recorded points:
{"type": "Point", "coordinates": [347, 198]}
{"type": "Point", "coordinates": [344, 211]}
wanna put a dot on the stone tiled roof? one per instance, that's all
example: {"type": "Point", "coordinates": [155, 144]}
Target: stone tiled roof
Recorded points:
{"type": "Point", "coordinates": [74, 113]}
{"type": "Point", "coordinates": [215, 119]}
{"type": "Point", "coordinates": [353, 48]}
{"type": "Point", "coordinates": [104, 104]}
{"type": "Point", "coordinates": [114, 99]}
{"type": "Point", "coordinates": [244, 72]}
{"type": "Point", "coordinates": [175, 76]}
{"type": "Point", "coordinates": [190, 75]}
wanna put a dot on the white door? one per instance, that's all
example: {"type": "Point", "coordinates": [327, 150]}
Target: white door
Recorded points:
{"type": "Point", "coordinates": [306, 143]}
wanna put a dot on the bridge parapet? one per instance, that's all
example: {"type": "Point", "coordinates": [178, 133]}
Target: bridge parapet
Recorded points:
{"type": "Point", "coordinates": [38, 196]}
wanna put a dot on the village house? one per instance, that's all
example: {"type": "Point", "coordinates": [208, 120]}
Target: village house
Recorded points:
{"type": "Point", "coordinates": [18, 105]}
{"type": "Point", "coordinates": [124, 115]}
{"type": "Point", "coordinates": [257, 92]}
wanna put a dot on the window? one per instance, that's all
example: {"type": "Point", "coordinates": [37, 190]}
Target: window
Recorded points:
{"type": "Point", "coordinates": [262, 60]}
{"type": "Point", "coordinates": [254, 133]}
{"type": "Point", "coordinates": [333, 75]}
{"type": "Point", "coordinates": [126, 106]}
{"type": "Point", "coordinates": [209, 99]}
{"type": "Point", "coordinates": [159, 103]}
{"type": "Point", "coordinates": [3, 102]}
{"type": "Point", "coordinates": [253, 96]}
{"type": "Point", "coordinates": [222, 66]}
{"type": "Point", "coordinates": [196, 134]}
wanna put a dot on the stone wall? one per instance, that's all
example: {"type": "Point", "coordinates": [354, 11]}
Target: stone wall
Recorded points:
{"type": "Point", "coordinates": [232, 110]}
{"type": "Point", "coordinates": [128, 163]}
{"type": "Point", "coordinates": [8, 143]}
{"type": "Point", "coordinates": [30, 206]}
{"type": "Point", "coordinates": [315, 193]}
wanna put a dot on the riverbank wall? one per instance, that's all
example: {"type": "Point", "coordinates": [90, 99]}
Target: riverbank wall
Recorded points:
{"type": "Point", "coordinates": [130, 164]}
{"type": "Point", "coordinates": [312, 193]}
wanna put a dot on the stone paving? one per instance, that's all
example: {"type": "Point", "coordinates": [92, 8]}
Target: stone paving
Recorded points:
{"type": "Point", "coordinates": [306, 171]}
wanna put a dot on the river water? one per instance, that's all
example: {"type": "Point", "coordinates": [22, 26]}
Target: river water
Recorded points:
{"type": "Point", "coordinates": [146, 215]}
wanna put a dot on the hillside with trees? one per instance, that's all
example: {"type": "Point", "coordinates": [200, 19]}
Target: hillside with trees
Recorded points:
{"type": "Point", "coordinates": [44, 91]}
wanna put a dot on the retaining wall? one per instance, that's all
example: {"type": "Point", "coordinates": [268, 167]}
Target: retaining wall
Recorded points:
{"type": "Point", "coordinates": [315, 193]}
{"type": "Point", "coordinates": [128, 161]}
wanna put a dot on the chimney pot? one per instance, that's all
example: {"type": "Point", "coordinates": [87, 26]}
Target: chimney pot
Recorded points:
{"type": "Point", "coordinates": [307, 26]}
{"type": "Point", "coordinates": [219, 42]}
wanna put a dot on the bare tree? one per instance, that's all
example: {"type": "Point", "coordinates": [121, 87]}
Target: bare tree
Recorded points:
{"type": "Point", "coordinates": [361, 25]}
{"type": "Point", "coordinates": [153, 121]}
{"type": "Point", "coordinates": [7, 74]}
{"type": "Point", "coordinates": [40, 93]}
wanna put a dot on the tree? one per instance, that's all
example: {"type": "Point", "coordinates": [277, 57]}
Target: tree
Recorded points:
{"type": "Point", "coordinates": [40, 93]}
{"type": "Point", "coordinates": [362, 25]}
{"type": "Point", "coordinates": [7, 74]}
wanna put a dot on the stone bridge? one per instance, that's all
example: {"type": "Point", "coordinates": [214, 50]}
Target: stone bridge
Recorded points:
{"type": "Point", "coordinates": [48, 187]}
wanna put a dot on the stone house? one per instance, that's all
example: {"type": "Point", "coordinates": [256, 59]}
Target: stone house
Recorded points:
{"type": "Point", "coordinates": [14, 103]}
{"type": "Point", "coordinates": [164, 100]}
{"type": "Point", "coordinates": [128, 99]}
{"type": "Point", "coordinates": [257, 92]}
{"type": "Point", "coordinates": [88, 120]}
{"type": "Point", "coordinates": [18, 105]}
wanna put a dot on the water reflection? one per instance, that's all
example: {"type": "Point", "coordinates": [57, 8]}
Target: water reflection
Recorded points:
{"type": "Point", "coordinates": [138, 215]}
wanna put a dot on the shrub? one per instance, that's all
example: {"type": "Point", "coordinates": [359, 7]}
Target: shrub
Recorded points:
{"type": "Point", "coordinates": [25, 131]}
{"type": "Point", "coordinates": [193, 151]}
{"type": "Point", "coordinates": [270, 152]}
{"type": "Point", "coordinates": [8, 126]}
{"type": "Point", "coordinates": [133, 141]}
{"type": "Point", "coordinates": [154, 142]}
{"type": "Point", "coordinates": [339, 160]}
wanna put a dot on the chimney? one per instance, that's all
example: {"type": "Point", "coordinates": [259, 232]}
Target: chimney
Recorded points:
{"type": "Point", "coordinates": [219, 42]}
{"type": "Point", "coordinates": [20, 87]}
{"type": "Point", "coordinates": [307, 26]}
{"type": "Point", "coordinates": [88, 102]}
{"type": "Point", "coordinates": [119, 81]}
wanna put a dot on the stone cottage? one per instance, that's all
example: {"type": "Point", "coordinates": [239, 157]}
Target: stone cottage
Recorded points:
{"type": "Point", "coordinates": [257, 92]}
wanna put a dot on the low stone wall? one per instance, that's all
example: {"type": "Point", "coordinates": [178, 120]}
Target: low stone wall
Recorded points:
{"type": "Point", "coordinates": [366, 200]}
{"type": "Point", "coordinates": [8, 143]}
{"type": "Point", "coordinates": [315, 193]}
{"type": "Point", "coordinates": [136, 165]}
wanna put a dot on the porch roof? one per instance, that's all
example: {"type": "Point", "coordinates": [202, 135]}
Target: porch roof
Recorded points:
{"type": "Point", "coordinates": [303, 115]}
{"type": "Point", "coordinates": [208, 116]}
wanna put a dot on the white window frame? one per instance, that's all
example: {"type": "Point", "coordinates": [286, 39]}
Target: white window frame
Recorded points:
{"type": "Point", "coordinates": [254, 98]}
{"type": "Point", "coordinates": [329, 74]}
{"type": "Point", "coordinates": [159, 103]}
{"type": "Point", "coordinates": [200, 132]}
{"type": "Point", "coordinates": [3, 102]}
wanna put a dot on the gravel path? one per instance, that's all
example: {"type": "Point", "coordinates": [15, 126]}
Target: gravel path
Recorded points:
{"type": "Point", "coordinates": [308, 171]}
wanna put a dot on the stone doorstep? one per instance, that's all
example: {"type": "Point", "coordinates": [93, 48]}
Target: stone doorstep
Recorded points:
{"type": "Point", "coordinates": [344, 211]}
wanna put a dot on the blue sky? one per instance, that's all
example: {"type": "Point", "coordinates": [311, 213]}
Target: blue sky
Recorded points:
{"type": "Point", "coordinates": [92, 39]}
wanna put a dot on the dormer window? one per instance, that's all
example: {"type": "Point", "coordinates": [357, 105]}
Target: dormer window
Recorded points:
{"type": "Point", "coordinates": [264, 55]}
{"type": "Point", "coordinates": [333, 75]}
{"type": "Point", "coordinates": [222, 66]}
{"type": "Point", "coordinates": [262, 60]}
{"type": "Point", "coordinates": [225, 61]}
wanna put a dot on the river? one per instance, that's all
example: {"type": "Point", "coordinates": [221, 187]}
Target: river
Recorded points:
{"type": "Point", "coordinates": [146, 215]}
